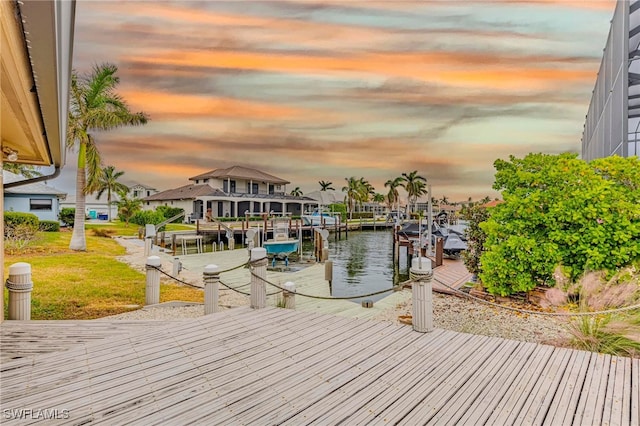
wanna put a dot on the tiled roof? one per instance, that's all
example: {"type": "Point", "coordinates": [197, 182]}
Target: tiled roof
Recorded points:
{"type": "Point", "coordinates": [187, 192]}
{"type": "Point", "coordinates": [240, 172]}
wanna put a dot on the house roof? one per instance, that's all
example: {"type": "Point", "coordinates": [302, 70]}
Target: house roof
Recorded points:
{"type": "Point", "coordinates": [240, 172]}
{"type": "Point", "coordinates": [37, 188]}
{"type": "Point", "coordinates": [132, 184]}
{"type": "Point", "coordinates": [187, 192]}
{"type": "Point", "coordinates": [492, 203]}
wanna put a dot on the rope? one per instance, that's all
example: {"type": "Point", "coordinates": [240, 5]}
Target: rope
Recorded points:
{"type": "Point", "coordinates": [325, 297]}
{"type": "Point", "coordinates": [194, 285]}
{"type": "Point", "coordinates": [244, 292]}
{"type": "Point", "coordinates": [526, 311]}
{"type": "Point", "coordinates": [174, 278]}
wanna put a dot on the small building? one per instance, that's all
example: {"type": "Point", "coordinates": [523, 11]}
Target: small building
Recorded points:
{"type": "Point", "coordinates": [37, 198]}
{"type": "Point", "coordinates": [231, 192]}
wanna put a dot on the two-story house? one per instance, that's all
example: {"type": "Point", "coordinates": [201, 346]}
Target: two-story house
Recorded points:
{"type": "Point", "coordinates": [232, 192]}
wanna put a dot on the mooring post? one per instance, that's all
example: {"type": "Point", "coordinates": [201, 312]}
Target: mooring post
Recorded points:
{"type": "Point", "coordinates": [152, 293]}
{"type": "Point", "coordinates": [19, 285]}
{"type": "Point", "coordinates": [328, 271]}
{"type": "Point", "coordinates": [258, 262]}
{"type": "Point", "coordinates": [176, 266]}
{"type": "Point", "coordinates": [421, 293]}
{"type": "Point", "coordinates": [211, 277]}
{"type": "Point", "coordinates": [289, 295]}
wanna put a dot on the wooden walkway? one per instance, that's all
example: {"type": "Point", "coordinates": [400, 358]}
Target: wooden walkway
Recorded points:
{"type": "Point", "coordinates": [275, 366]}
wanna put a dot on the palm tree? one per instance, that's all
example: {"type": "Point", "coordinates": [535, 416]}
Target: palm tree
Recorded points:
{"type": "Point", "coordinates": [393, 196]}
{"type": "Point", "coordinates": [127, 207]}
{"type": "Point", "coordinates": [444, 200]}
{"type": "Point", "coordinates": [21, 169]}
{"type": "Point", "coordinates": [365, 191]}
{"type": "Point", "coordinates": [108, 181]}
{"type": "Point", "coordinates": [94, 105]}
{"type": "Point", "coordinates": [378, 198]}
{"type": "Point", "coordinates": [326, 186]}
{"type": "Point", "coordinates": [415, 185]}
{"type": "Point", "coordinates": [296, 192]}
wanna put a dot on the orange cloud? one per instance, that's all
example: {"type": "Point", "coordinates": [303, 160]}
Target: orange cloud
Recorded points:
{"type": "Point", "coordinates": [162, 105]}
{"type": "Point", "coordinates": [449, 68]}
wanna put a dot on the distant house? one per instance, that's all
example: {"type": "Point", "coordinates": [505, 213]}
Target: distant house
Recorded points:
{"type": "Point", "coordinates": [37, 198]}
{"type": "Point", "coordinates": [97, 208]}
{"type": "Point", "coordinates": [231, 192]}
{"type": "Point", "coordinates": [139, 190]}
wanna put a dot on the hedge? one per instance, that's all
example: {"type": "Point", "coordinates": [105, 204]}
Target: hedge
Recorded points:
{"type": "Point", "coordinates": [49, 226]}
{"type": "Point", "coordinates": [18, 218]}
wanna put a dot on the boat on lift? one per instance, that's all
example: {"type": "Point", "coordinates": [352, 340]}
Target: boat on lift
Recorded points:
{"type": "Point", "coordinates": [281, 245]}
{"type": "Point", "coordinates": [318, 218]}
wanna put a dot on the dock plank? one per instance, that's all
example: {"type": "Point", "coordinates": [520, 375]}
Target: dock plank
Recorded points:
{"type": "Point", "coordinates": [276, 366]}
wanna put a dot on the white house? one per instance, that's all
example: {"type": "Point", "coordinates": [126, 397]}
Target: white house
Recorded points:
{"type": "Point", "coordinates": [37, 198]}
{"type": "Point", "coordinates": [231, 192]}
{"type": "Point", "coordinates": [97, 208]}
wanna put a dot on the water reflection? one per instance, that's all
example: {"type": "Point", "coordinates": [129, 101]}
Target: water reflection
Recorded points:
{"type": "Point", "coordinates": [364, 264]}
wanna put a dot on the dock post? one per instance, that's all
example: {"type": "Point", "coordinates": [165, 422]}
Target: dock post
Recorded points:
{"type": "Point", "coordinates": [328, 271]}
{"type": "Point", "coordinates": [421, 293]}
{"type": "Point", "coordinates": [258, 262]}
{"type": "Point", "coordinates": [148, 244]}
{"type": "Point", "coordinates": [19, 285]}
{"type": "Point", "coordinates": [289, 295]}
{"type": "Point", "coordinates": [152, 293]}
{"type": "Point", "coordinates": [211, 278]}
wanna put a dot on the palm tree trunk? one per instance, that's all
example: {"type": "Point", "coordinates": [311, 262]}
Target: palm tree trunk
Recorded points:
{"type": "Point", "coordinates": [78, 240]}
{"type": "Point", "coordinates": [108, 204]}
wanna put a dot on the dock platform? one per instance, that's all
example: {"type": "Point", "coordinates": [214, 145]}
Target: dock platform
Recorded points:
{"type": "Point", "coordinates": [283, 367]}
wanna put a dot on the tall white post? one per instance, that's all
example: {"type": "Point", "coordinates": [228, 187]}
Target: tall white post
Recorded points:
{"type": "Point", "coordinates": [258, 262]}
{"type": "Point", "coordinates": [19, 285]}
{"type": "Point", "coordinates": [211, 278]}
{"type": "Point", "coordinates": [421, 293]}
{"type": "Point", "coordinates": [429, 222]}
{"type": "Point", "coordinates": [152, 293]}
{"type": "Point", "coordinates": [289, 295]}
{"type": "Point", "coordinates": [148, 246]}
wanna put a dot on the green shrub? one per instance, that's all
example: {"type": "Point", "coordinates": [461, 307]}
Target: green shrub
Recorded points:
{"type": "Point", "coordinates": [67, 216]}
{"type": "Point", "coordinates": [339, 208]}
{"type": "Point", "coordinates": [476, 237]}
{"type": "Point", "coordinates": [49, 226]}
{"type": "Point", "coordinates": [12, 219]}
{"type": "Point", "coordinates": [145, 217]}
{"type": "Point", "coordinates": [362, 215]}
{"type": "Point", "coordinates": [169, 212]}
{"type": "Point", "coordinates": [560, 210]}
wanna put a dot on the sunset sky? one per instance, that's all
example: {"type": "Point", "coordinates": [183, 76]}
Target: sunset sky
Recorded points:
{"type": "Point", "coordinates": [323, 90]}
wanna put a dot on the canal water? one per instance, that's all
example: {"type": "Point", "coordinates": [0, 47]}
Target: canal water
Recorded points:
{"type": "Point", "coordinates": [363, 264]}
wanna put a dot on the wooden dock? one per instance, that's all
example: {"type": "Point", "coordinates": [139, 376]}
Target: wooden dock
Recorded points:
{"type": "Point", "coordinates": [276, 366]}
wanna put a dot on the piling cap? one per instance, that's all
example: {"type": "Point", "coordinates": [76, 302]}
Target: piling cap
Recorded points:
{"type": "Point", "coordinates": [20, 268]}
{"type": "Point", "coordinates": [289, 285]}
{"type": "Point", "coordinates": [258, 253]}
{"type": "Point", "coordinates": [153, 261]}
{"type": "Point", "coordinates": [426, 264]}
{"type": "Point", "coordinates": [211, 269]}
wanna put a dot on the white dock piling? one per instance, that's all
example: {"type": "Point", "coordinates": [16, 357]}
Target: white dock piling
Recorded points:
{"type": "Point", "coordinates": [19, 285]}
{"type": "Point", "coordinates": [289, 295]}
{"type": "Point", "coordinates": [258, 262]}
{"type": "Point", "coordinates": [211, 279]}
{"type": "Point", "coordinates": [152, 293]}
{"type": "Point", "coordinates": [421, 289]}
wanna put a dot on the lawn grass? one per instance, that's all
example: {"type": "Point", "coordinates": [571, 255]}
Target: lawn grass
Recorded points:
{"type": "Point", "coordinates": [85, 285]}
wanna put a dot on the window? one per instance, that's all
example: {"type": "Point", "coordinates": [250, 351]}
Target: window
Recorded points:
{"type": "Point", "coordinates": [40, 204]}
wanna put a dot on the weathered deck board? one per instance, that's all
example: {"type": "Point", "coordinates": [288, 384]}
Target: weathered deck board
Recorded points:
{"type": "Point", "coordinates": [274, 366]}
